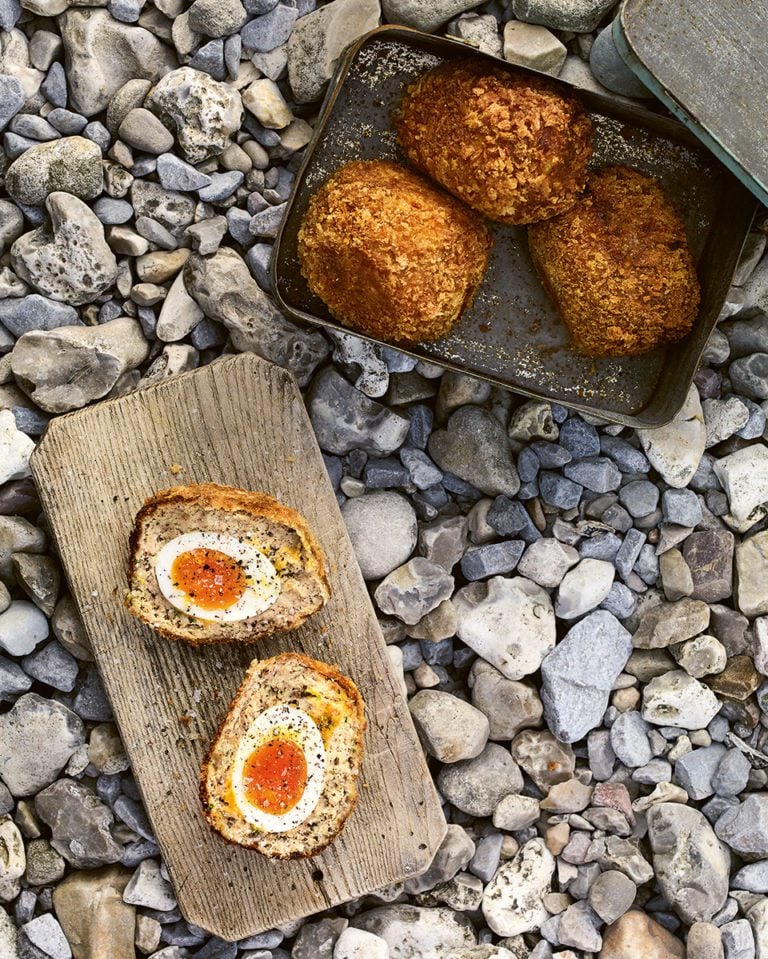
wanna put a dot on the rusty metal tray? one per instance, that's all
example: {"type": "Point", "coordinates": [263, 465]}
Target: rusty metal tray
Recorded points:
{"type": "Point", "coordinates": [512, 335]}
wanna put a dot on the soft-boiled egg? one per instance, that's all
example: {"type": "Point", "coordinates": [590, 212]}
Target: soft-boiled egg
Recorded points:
{"type": "Point", "coordinates": [279, 768]}
{"type": "Point", "coordinates": [216, 576]}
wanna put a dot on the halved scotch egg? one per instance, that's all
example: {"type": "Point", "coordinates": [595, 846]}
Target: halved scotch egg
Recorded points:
{"type": "Point", "coordinates": [214, 564]}
{"type": "Point", "coordinates": [281, 773]}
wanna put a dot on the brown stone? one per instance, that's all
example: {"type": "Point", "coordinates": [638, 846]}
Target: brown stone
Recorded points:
{"type": "Point", "coordinates": [709, 555]}
{"type": "Point", "coordinates": [97, 923]}
{"type": "Point", "coordinates": [636, 935]}
{"type": "Point", "coordinates": [670, 623]}
{"type": "Point", "coordinates": [738, 680]}
{"type": "Point", "coordinates": [730, 627]}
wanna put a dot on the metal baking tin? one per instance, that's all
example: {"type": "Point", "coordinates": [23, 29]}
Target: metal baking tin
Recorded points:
{"type": "Point", "coordinates": [512, 335]}
{"type": "Point", "coordinates": [707, 63]}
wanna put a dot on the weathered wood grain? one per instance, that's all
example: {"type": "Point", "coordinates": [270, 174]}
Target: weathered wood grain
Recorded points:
{"type": "Point", "coordinates": [241, 422]}
{"type": "Point", "coordinates": [713, 59]}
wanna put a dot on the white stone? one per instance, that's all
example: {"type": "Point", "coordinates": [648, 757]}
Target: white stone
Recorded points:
{"type": "Point", "coordinates": [515, 812]}
{"type": "Point", "coordinates": [584, 588]}
{"type": "Point", "coordinates": [414, 932]}
{"type": "Point", "coordinates": [450, 728]}
{"type": "Point", "coordinates": [383, 529]}
{"type": "Point", "coordinates": [530, 45]}
{"type": "Point", "coordinates": [148, 888]}
{"type": "Point", "coordinates": [757, 914]}
{"type": "Point", "coordinates": [15, 449]}
{"type": "Point", "coordinates": [179, 314]}
{"type": "Point", "coordinates": [744, 477]}
{"type": "Point", "coordinates": [102, 54]}
{"type": "Point", "coordinates": [546, 561]}
{"type": "Point", "coordinates": [13, 860]}
{"type": "Point", "coordinates": [47, 937]}
{"type": "Point", "coordinates": [265, 101]}
{"type": "Point", "coordinates": [512, 899]}
{"type": "Point", "coordinates": [319, 38]}
{"type": "Point", "coordinates": [22, 627]}
{"type": "Point", "coordinates": [509, 622]}
{"type": "Point", "coordinates": [205, 113]}
{"type": "Point", "coordinates": [70, 259]}
{"type": "Point", "coordinates": [359, 944]}
{"type": "Point", "coordinates": [675, 450]}
{"type": "Point", "coordinates": [677, 699]}
{"type": "Point", "coordinates": [14, 60]}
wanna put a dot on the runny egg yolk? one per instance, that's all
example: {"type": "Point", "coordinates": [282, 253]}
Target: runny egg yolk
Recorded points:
{"type": "Point", "coordinates": [211, 578]}
{"type": "Point", "coordinates": [275, 776]}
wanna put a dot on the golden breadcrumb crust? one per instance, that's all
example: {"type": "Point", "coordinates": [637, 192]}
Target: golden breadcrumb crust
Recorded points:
{"type": "Point", "coordinates": [390, 254]}
{"type": "Point", "coordinates": [510, 145]}
{"type": "Point", "coordinates": [267, 683]}
{"type": "Point", "coordinates": [618, 267]}
{"type": "Point", "coordinates": [305, 584]}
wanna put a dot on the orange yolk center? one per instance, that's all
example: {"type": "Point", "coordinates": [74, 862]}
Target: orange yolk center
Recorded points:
{"type": "Point", "coordinates": [275, 776]}
{"type": "Point", "coordinates": [212, 579]}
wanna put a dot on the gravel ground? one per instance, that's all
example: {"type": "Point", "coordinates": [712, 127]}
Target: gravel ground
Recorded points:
{"type": "Point", "coordinates": [580, 611]}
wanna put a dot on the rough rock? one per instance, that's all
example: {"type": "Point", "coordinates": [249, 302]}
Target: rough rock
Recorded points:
{"type": "Point", "coordinates": [691, 864]}
{"type": "Point", "coordinates": [102, 54]}
{"type": "Point", "coordinates": [454, 854]}
{"type": "Point", "coordinates": [752, 575]}
{"type": "Point", "coordinates": [413, 590]}
{"type": "Point", "coordinates": [64, 369]}
{"type": "Point", "coordinates": [744, 476]}
{"type": "Point", "coordinates": [205, 113]}
{"type": "Point", "coordinates": [474, 447]}
{"type": "Point", "coordinates": [148, 888]}
{"type": "Point", "coordinates": [71, 165]}
{"type": "Point", "coordinates": [708, 555]}
{"type": "Point", "coordinates": [675, 450]}
{"type": "Point", "coordinates": [581, 16]}
{"type": "Point", "coordinates": [546, 561]}
{"type": "Point", "coordinates": [509, 705]}
{"type": "Point", "coordinates": [382, 527]}
{"type": "Point", "coordinates": [89, 905]}
{"type": "Point", "coordinates": [425, 15]}
{"type": "Point", "coordinates": [636, 934]}
{"type": "Point", "coordinates": [533, 46]}
{"type": "Point", "coordinates": [37, 738]}
{"type": "Point", "coordinates": [509, 622]}
{"type": "Point", "coordinates": [583, 588]}
{"type": "Point", "coordinates": [512, 899]}
{"type": "Point", "coordinates": [449, 728]}
{"type": "Point", "coordinates": [611, 895]}
{"type": "Point", "coordinates": [677, 699]}
{"type": "Point", "coordinates": [80, 824]}
{"type": "Point", "coordinates": [67, 259]}
{"type": "Point", "coordinates": [543, 758]}
{"type": "Point", "coordinates": [476, 786]}
{"type": "Point", "coordinates": [579, 674]}
{"type": "Point", "coordinates": [225, 291]}
{"type": "Point", "coordinates": [15, 449]}
{"type": "Point", "coordinates": [359, 944]}
{"type": "Point", "coordinates": [413, 932]}
{"type": "Point", "coordinates": [671, 623]}
{"type": "Point", "coordinates": [744, 827]}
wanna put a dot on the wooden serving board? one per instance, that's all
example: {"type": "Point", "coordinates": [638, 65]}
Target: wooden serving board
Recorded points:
{"type": "Point", "coordinates": [240, 422]}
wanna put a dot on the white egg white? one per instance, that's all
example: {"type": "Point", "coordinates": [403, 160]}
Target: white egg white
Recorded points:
{"type": "Point", "coordinates": [262, 579]}
{"type": "Point", "coordinates": [281, 722]}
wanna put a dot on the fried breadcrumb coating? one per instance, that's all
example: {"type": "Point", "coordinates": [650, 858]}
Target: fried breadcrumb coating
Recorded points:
{"type": "Point", "coordinates": [618, 267]}
{"type": "Point", "coordinates": [390, 254]}
{"type": "Point", "coordinates": [510, 145]}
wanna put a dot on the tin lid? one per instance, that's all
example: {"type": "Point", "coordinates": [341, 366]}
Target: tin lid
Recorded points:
{"type": "Point", "coordinates": [708, 63]}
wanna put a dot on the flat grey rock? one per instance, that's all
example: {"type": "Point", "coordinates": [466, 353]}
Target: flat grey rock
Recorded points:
{"type": "Point", "coordinates": [579, 674]}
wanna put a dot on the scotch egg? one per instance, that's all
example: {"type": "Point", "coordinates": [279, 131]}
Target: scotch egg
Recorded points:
{"type": "Point", "coordinates": [215, 576]}
{"type": "Point", "coordinates": [215, 564]}
{"type": "Point", "coordinates": [279, 769]}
